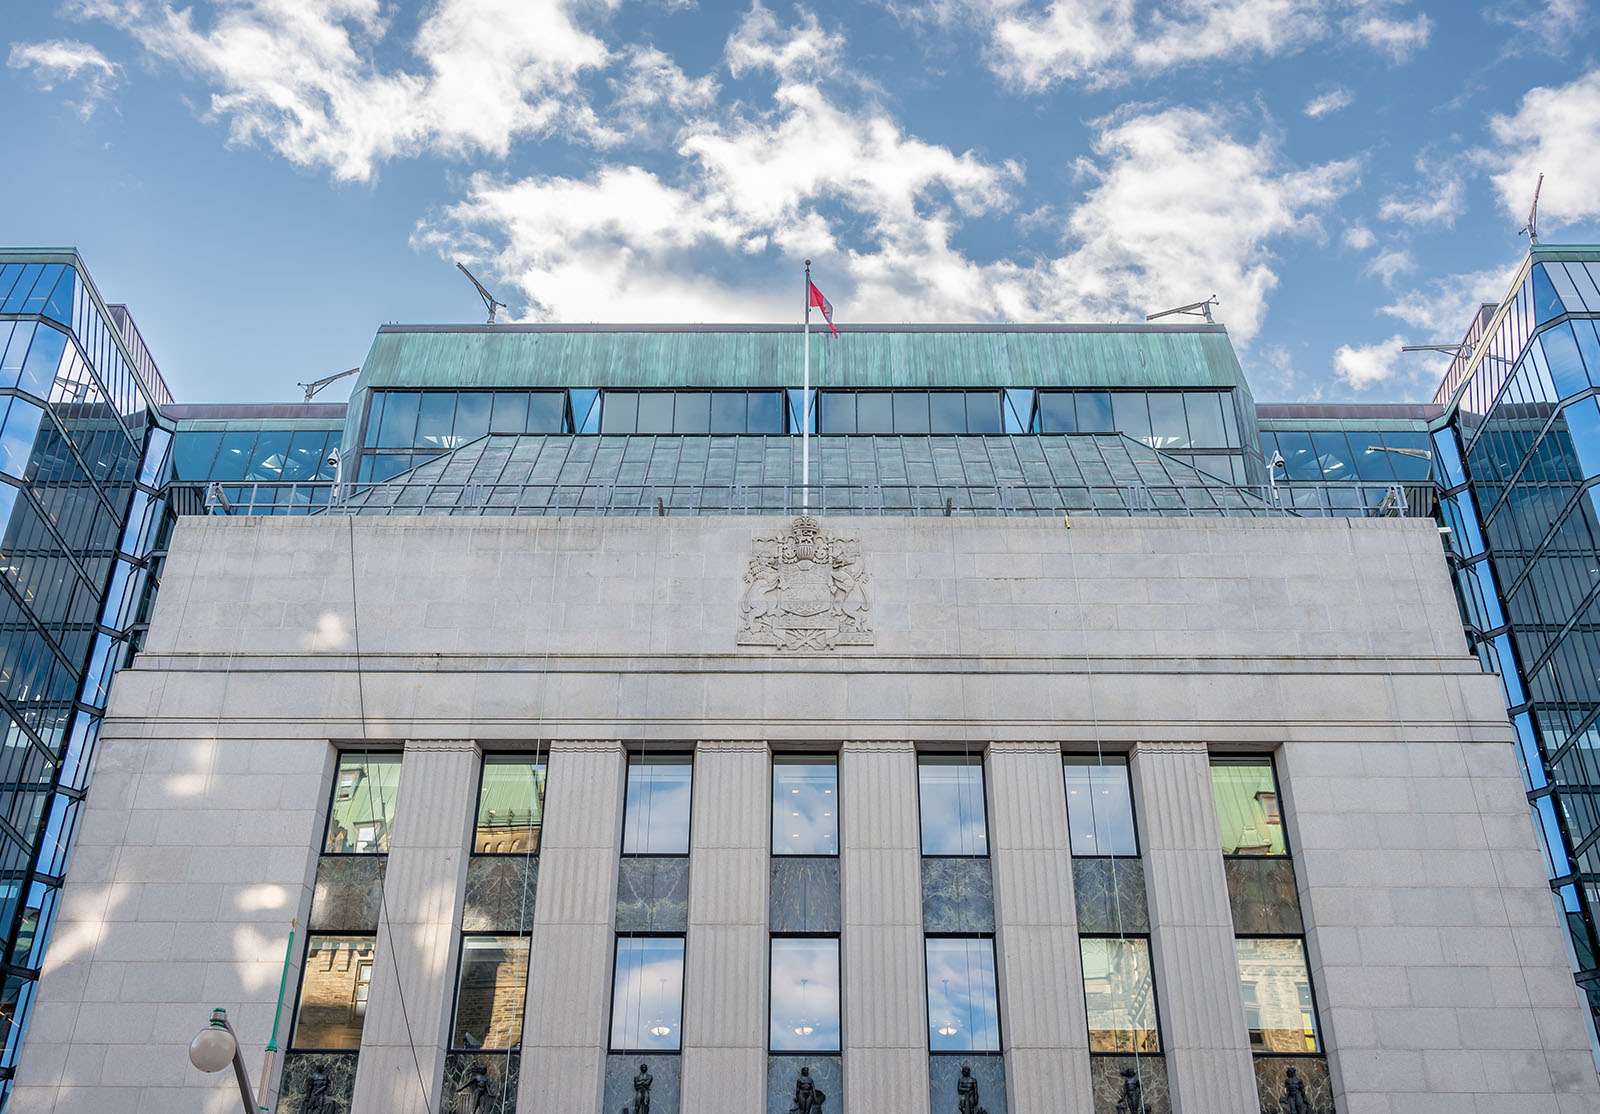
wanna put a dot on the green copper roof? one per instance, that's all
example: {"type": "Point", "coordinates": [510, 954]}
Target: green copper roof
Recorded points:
{"type": "Point", "coordinates": [483, 356]}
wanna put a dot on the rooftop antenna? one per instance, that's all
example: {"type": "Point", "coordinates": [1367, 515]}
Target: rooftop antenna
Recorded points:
{"type": "Point", "coordinates": [1195, 309]}
{"type": "Point", "coordinates": [316, 385]}
{"type": "Point", "coordinates": [489, 299]}
{"type": "Point", "coordinates": [1464, 350]}
{"type": "Point", "coordinates": [1532, 227]}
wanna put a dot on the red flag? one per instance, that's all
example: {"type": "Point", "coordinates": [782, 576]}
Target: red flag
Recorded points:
{"type": "Point", "coordinates": [823, 304]}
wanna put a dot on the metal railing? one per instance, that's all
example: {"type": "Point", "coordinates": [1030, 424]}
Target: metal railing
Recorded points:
{"type": "Point", "coordinates": [1316, 500]}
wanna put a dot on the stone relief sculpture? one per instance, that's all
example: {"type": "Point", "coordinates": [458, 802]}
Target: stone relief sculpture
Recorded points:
{"type": "Point", "coordinates": [315, 1098]}
{"type": "Point", "coordinates": [1132, 1100]}
{"type": "Point", "coordinates": [805, 590]}
{"type": "Point", "coordinates": [641, 1091]}
{"type": "Point", "coordinates": [807, 1099]}
{"type": "Point", "coordinates": [473, 1096]}
{"type": "Point", "coordinates": [1294, 1099]}
{"type": "Point", "coordinates": [967, 1093]}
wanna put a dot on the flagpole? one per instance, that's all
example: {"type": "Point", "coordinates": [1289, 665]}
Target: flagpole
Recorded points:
{"type": "Point", "coordinates": [805, 406]}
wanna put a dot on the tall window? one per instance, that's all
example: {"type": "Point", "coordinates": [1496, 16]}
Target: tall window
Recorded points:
{"type": "Point", "coordinates": [1248, 821]}
{"type": "Point", "coordinates": [510, 805]}
{"type": "Point", "coordinates": [656, 813]}
{"type": "Point", "coordinates": [805, 806]}
{"type": "Point", "coordinates": [647, 994]}
{"type": "Point", "coordinates": [963, 1003]}
{"type": "Point", "coordinates": [1119, 993]}
{"type": "Point", "coordinates": [805, 995]}
{"type": "Point", "coordinates": [1100, 806]}
{"type": "Point", "coordinates": [333, 992]}
{"type": "Point", "coordinates": [954, 821]}
{"type": "Point", "coordinates": [362, 809]}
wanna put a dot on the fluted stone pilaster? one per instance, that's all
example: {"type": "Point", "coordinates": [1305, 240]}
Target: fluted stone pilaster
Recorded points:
{"type": "Point", "coordinates": [565, 1027]}
{"type": "Point", "coordinates": [1041, 977]}
{"type": "Point", "coordinates": [1192, 942]}
{"type": "Point", "coordinates": [725, 978]}
{"type": "Point", "coordinates": [885, 998]}
{"type": "Point", "coordinates": [414, 959]}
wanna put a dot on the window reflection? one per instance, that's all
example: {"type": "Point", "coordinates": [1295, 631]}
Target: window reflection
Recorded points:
{"type": "Point", "coordinates": [1119, 994]}
{"type": "Point", "coordinates": [362, 811]}
{"type": "Point", "coordinates": [805, 806]}
{"type": "Point", "coordinates": [1100, 807]}
{"type": "Point", "coordinates": [805, 995]}
{"type": "Point", "coordinates": [510, 805]}
{"type": "Point", "coordinates": [1276, 987]}
{"type": "Point", "coordinates": [647, 994]}
{"type": "Point", "coordinates": [953, 818]}
{"type": "Point", "coordinates": [333, 992]}
{"type": "Point", "coordinates": [963, 1006]}
{"type": "Point", "coordinates": [1248, 820]}
{"type": "Point", "coordinates": [656, 813]}
{"type": "Point", "coordinates": [490, 992]}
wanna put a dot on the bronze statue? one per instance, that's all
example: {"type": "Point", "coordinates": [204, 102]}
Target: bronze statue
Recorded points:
{"type": "Point", "coordinates": [1294, 1098]}
{"type": "Point", "coordinates": [807, 1099]}
{"type": "Point", "coordinates": [314, 1099]}
{"type": "Point", "coordinates": [641, 1090]}
{"type": "Point", "coordinates": [473, 1097]}
{"type": "Point", "coordinates": [967, 1091]}
{"type": "Point", "coordinates": [1132, 1100]}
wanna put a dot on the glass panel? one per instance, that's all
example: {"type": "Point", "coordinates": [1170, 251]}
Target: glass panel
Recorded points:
{"type": "Point", "coordinates": [1299, 462]}
{"type": "Point", "coordinates": [363, 804]}
{"type": "Point", "coordinates": [805, 814]}
{"type": "Point", "coordinates": [435, 418]}
{"type": "Point", "coordinates": [1169, 428]}
{"type": "Point", "coordinates": [192, 454]}
{"type": "Point", "coordinates": [655, 412]}
{"type": "Point", "coordinates": [472, 416]}
{"type": "Point", "coordinates": [805, 996]}
{"type": "Point", "coordinates": [509, 413]}
{"type": "Point", "coordinates": [1277, 996]}
{"type": "Point", "coordinates": [692, 414]}
{"type": "Point", "coordinates": [874, 412]}
{"type": "Point", "coordinates": [489, 997]}
{"type": "Point", "coordinates": [963, 1009]}
{"type": "Point", "coordinates": [308, 450]}
{"type": "Point", "coordinates": [1206, 430]}
{"type": "Point", "coordinates": [619, 412]}
{"type": "Point", "coordinates": [1094, 413]}
{"type": "Point", "coordinates": [374, 421]}
{"type": "Point", "coordinates": [838, 412]}
{"type": "Point", "coordinates": [647, 994]}
{"type": "Point", "coordinates": [333, 992]}
{"type": "Point", "coordinates": [1415, 466]}
{"type": "Point", "coordinates": [510, 805]}
{"type": "Point", "coordinates": [766, 412]}
{"type": "Point", "coordinates": [233, 458]}
{"type": "Point", "coordinates": [1056, 412]}
{"type": "Point", "coordinates": [656, 815]}
{"type": "Point", "coordinates": [953, 819]}
{"type": "Point", "coordinates": [1100, 807]}
{"type": "Point", "coordinates": [44, 359]}
{"type": "Point", "coordinates": [910, 411]}
{"type": "Point", "coordinates": [1333, 455]}
{"type": "Point", "coordinates": [727, 412]}
{"type": "Point", "coordinates": [547, 412]}
{"type": "Point", "coordinates": [17, 437]}
{"type": "Point", "coordinates": [983, 412]}
{"type": "Point", "coordinates": [947, 412]}
{"type": "Point", "coordinates": [1247, 808]}
{"type": "Point", "coordinates": [266, 462]}
{"type": "Point", "coordinates": [1120, 995]}
{"type": "Point", "coordinates": [398, 427]}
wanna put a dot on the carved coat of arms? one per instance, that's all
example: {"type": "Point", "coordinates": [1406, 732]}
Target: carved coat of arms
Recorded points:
{"type": "Point", "coordinates": [805, 590]}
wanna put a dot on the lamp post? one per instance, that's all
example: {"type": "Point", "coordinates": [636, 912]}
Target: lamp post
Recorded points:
{"type": "Point", "coordinates": [215, 1048]}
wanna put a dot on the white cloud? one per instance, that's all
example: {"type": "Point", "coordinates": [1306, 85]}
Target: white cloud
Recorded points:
{"type": "Point", "coordinates": [760, 43]}
{"type": "Point", "coordinates": [67, 60]}
{"type": "Point", "coordinates": [1441, 309]}
{"type": "Point", "coordinates": [1552, 26]}
{"type": "Point", "coordinates": [651, 99]}
{"type": "Point", "coordinates": [1359, 237]}
{"type": "Point", "coordinates": [1036, 44]}
{"type": "Point", "coordinates": [1439, 198]}
{"type": "Point", "coordinates": [1388, 264]}
{"type": "Point", "coordinates": [1554, 132]}
{"type": "Point", "coordinates": [1331, 101]}
{"type": "Point", "coordinates": [1363, 367]}
{"type": "Point", "coordinates": [303, 76]}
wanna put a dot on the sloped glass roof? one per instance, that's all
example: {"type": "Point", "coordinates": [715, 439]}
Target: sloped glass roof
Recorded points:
{"type": "Point", "coordinates": [538, 474]}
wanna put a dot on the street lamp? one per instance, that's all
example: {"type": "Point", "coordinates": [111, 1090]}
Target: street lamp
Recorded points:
{"type": "Point", "coordinates": [215, 1048]}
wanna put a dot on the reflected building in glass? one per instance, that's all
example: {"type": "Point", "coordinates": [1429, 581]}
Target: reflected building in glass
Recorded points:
{"type": "Point", "coordinates": [1077, 734]}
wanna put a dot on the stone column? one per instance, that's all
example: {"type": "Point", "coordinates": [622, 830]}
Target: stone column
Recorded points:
{"type": "Point", "coordinates": [1191, 938]}
{"type": "Point", "coordinates": [885, 996]}
{"type": "Point", "coordinates": [1036, 934]}
{"type": "Point", "coordinates": [415, 953]}
{"type": "Point", "coordinates": [565, 1029]}
{"type": "Point", "coordinates": [725, 980]}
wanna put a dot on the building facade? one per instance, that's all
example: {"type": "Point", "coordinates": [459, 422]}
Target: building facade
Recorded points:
{"type": "Point", "coordinates": [1074, 727]}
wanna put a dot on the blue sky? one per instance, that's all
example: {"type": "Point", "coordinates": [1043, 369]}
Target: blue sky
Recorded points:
{"type": "Point", "coordinates": [265, 182]}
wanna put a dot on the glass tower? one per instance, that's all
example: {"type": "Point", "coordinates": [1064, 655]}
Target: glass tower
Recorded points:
{"type": "Point", "coordinates": [82, 466]}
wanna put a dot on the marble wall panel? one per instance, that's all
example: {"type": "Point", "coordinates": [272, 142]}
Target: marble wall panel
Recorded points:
{"type": "Point", "coordinates": [1262, 895]}
{"type": "Point", "coordinates": [1272, 1074]}
{"type": "Point", "coordinates": [500, 891]}
{"type": "Point", "coordinates": [1110, 896]}
{"type": "Point", "coordinates": [653, 895]}
{"type": "Point", "coordinates": [827, 1079]}
{"type": "Point", "coordinates": [945, 1070]}
{"type": "Point", "coordinates": [462, 1095]}
{"type": "Point", "coordinates": [804, 895]}
{"type": "Point", "coordinates": [1109, 1083]}
{"type": "Point", "coordinates": [298, 1086]}
{"type": "Point", "coordinates": [348, 894]}
{"type": "Point", "coordinates": [957, 896]}
{"type": "Point", "coordinates": [621, 1067]}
